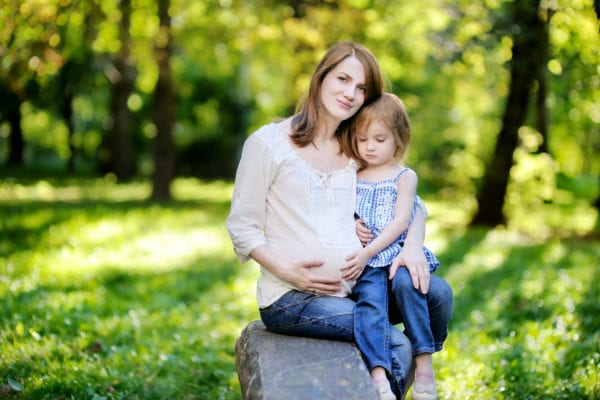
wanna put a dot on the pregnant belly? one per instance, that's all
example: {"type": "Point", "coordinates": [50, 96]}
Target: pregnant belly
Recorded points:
{"type": "Point", "coordinates": [333, 260]}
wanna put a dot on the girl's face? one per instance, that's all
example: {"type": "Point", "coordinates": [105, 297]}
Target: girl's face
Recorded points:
{"type": "Point", "coordinates": [377, 145]}
{"type": "Point", "coordinates": [343, 90]}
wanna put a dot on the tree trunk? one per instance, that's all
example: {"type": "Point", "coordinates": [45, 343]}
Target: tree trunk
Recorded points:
{"type": "Point", "coordinates": [120, 161]}
{"type": "Point", "coordinates": [164, 110]}
{"type": "Point", "coordinates": [597, 202]}
{"type": "Point", "coordinates": [542, 111]}
{"type": "Point", "coordinates": [12, 111]}
{"type": "Point", "coordinates": [542, 89]}
{"type": "Point", "coordinates": [528, 46]}
{"type": "Point", "coordinates": [66, 111]}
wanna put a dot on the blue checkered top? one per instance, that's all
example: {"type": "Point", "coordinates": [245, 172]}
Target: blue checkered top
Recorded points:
{"type": "Point", "coordinates": [375, 203]}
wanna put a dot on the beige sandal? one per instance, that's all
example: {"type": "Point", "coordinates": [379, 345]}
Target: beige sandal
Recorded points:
{"type": "Point", "coordinates": [422, 391]}
{"type": "Point", "coordinates": [384, 390]}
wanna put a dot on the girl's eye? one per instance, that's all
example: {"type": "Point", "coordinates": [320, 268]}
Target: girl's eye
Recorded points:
{"type": "Point", "coordinates": [380, 140]}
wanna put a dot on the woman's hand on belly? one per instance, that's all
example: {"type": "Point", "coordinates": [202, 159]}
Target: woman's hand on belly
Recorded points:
{"type": "Point", "coordinates": [305, 276]}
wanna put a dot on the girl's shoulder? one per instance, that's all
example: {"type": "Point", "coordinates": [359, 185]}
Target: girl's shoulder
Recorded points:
{"type": "Point", "coordinates": [391, 174]}
{"type": "Point", "coordinates": [405, 171]}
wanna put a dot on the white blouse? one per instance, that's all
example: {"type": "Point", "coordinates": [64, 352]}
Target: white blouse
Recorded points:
{"type": "Point", "coordinates": [281, 201]}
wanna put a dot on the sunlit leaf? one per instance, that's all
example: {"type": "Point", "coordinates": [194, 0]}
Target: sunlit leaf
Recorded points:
{"type": "Point", "coordinates": [15, 385]}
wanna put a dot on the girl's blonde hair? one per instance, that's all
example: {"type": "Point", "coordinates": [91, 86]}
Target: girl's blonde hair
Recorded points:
{"type": "Point", "coordinates": [389, 111]}
{"type": "Point", "coordinates": [304, 123]}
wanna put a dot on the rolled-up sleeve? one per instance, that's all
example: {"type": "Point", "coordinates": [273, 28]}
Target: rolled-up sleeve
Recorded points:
{"type": "Point", "coordinates": [246, 219]}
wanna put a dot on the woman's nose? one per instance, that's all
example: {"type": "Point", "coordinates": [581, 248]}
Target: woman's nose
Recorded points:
{"type": "Point", "coordinates": [349, 92]}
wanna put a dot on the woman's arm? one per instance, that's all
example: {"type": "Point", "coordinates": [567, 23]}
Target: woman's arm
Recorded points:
{"type": "Point", "coordinates": [245, 223]}
{"type": "Point", "coordinates": [412, 256]}
{"type": "Point", "coordinates": [253, 177]}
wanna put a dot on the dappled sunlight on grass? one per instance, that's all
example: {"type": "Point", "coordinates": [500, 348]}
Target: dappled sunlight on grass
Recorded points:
{"type": "Point", "coordinates": [545, 220]}
{"type": "Point", "coordinates": [193, 189]}
{"type": "Point", "coordinates": [75, 190]}
{"type": "Point", "coordinates": [134, 299]}
{"type": "Point", "coordinates": [516, 319]}
{"type": "Point", "coordinates": [525, 322]}
{"type": "Point", "coordinates": [107, 295]}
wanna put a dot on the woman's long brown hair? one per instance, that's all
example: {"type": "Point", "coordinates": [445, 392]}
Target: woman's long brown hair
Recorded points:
{"type": "Point", "coordinates": [305, 122]}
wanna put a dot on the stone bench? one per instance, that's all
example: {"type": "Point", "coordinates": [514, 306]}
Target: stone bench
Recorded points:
{"type": "Point", "coordinates": [279, 367]}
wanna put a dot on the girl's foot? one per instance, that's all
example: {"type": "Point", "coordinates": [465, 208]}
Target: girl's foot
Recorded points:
{"type": "Point", "coordinates": [424, 387]}
{"type": "Point", "coordinates": [384, 390]}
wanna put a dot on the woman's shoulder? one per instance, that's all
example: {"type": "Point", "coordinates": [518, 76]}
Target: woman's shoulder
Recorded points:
{"type": "Point", "coordinates": [272, 132]}
{"type": "Point", "coordinates": [271, 138]}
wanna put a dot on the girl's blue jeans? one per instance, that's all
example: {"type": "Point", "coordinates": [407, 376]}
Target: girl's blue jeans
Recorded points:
{"type": "Point", "coordinates": [371, 327]}
{"type": "Point", "coordinates": [329, 317]}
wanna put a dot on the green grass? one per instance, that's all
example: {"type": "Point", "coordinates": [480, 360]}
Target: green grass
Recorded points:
{"type": "Point", "coordinates": [106, 296]}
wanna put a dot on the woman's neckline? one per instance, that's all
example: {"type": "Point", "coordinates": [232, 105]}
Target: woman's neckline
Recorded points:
{"type": "Point", "coordinates": [285, 131]}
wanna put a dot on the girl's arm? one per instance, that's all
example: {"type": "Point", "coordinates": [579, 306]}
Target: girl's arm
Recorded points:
{"type": "Point", "coordinates": [407, 186]}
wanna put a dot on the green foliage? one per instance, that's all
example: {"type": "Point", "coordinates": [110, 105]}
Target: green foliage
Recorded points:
{"type": "Point", "coordinates": [239, 64]}
{"type": "Point", "coordinates": [106, 296]}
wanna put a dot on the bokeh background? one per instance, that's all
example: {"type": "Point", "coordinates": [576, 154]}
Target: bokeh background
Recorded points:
{"type": "Point", "coordinates": [121, 124]}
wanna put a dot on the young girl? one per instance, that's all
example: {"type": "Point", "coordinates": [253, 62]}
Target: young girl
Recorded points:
{"type": "Point", "coordinates": [386, 203]}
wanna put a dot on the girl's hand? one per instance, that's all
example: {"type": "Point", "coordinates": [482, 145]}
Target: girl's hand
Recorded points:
{"type": "Point", "coordinates": [417, 266]}
{"type": "Point", "coordinates": [364, 234]}
{"type": "Point", "coordinates": [355, 265]}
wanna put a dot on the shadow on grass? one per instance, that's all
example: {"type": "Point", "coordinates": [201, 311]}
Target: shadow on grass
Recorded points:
{"type": "Point", "coordinates": [15, 235]}
{"type": "Point", "coordinates": [536, 314]}
{"type": "Point", "coordinates": [150, 335]}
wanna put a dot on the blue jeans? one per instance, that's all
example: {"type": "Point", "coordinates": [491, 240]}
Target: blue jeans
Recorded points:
{"type": "Point", "coordinates": [371, 321]}
{"type": "Point", "coordinates": [371, 316]}
{"type": "Point", "coordinates": [426, 334]}
{"type": "Point", "coordinates": [328, 317]}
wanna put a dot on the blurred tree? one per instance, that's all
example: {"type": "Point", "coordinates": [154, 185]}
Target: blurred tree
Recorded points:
{"type": "Point", "coordinates": [530, 42]}
{"type": "Point", "coordinates": [27, 38]}
{"type": "Point", "coordinates": [597, 201]}
{"type": "Point", "coordinates": [77, 31]}
{"type": "Point", "coordinates": [541, 79]}
{"type": "Point", "coordinates": [122, 76]}
{"type": "Point", "coordinates": [236, 65]}
{"type": "Point", "coordinates": [164, 109]}
{"type": "Point", "coordinates": [10, 111]}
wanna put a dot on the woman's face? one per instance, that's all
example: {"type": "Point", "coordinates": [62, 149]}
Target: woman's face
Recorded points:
{"type": "Point", "coordinates": [343, 90]}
